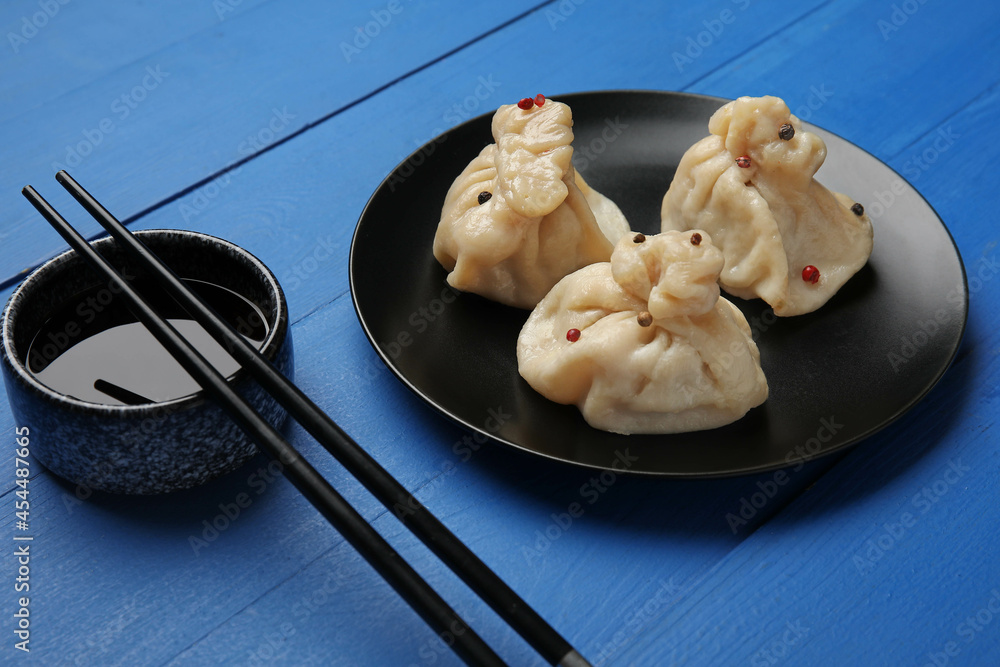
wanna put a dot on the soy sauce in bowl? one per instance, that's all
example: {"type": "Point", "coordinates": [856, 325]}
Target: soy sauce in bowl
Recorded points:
{"type": "Point", "coordinates": [92, 348]}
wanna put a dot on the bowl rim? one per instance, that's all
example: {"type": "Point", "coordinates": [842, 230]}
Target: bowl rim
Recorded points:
{"type": "Point", "coordinates": [278, 327]}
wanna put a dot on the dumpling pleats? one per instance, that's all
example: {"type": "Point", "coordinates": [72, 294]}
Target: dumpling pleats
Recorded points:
{"type": "Point", "coordinates": [537, 225]}
{"type": "Point", "coordinates": [695, 367]}
{"type": "Point", "coordinates": [770, 217]}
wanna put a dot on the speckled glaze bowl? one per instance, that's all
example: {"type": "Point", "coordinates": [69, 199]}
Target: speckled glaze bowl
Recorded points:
{"type": "Point", "coordinates": [156, 447]}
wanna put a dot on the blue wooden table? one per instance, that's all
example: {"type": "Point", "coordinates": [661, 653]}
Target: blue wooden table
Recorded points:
{"type": "Point", "coordinates": [271, 123]}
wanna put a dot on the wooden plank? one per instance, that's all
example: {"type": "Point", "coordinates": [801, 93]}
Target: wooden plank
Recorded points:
{"type": "Point", "coordinates": [54, 47]}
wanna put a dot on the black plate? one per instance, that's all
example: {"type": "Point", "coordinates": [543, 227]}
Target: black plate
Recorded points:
{"type": "Point", "coordinates": [836, 375]}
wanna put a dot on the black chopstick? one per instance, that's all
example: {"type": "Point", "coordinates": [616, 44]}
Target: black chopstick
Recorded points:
{"type": "Point", "coordinates": [455, 554]}
{"type": "Point", "coordinates": [396, 571]}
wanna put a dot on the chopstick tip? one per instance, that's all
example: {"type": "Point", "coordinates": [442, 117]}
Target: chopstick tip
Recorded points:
{"type": "Point", "coordinates": [573, 659]}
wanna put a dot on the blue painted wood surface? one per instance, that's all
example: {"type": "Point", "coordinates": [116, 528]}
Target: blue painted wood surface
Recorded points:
{"type": "Point", "coordinates": [887, 554]}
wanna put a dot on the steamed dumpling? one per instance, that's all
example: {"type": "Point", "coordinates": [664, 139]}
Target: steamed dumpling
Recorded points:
{"type": "Point", "coordinates": [767, 213]}
{"type": "Point", "coordinates": [519, 217]}
{"type": "Point", "coordinates": [657, 351]}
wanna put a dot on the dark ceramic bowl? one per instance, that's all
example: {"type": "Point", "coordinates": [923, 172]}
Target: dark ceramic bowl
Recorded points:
{"type": "Point", "coordinates": [155, 447]}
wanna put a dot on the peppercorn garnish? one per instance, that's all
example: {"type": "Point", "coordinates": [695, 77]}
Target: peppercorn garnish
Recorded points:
{"type": "Point", "coordinates": [644, 319]}
{"type": "Point", "coordinates": [810, 274]}
{"type": "Point", "coordinates": [539, 99]}
{"type": "Point", "coordinates": [526, 103]}
{"type": "Point", "coordinates": [743, 161]}
{"type": "Point", "coordinates": [639, 238]}
{"type": "Point", "coordinates": [696, 239]}
{"type": "Point", "coordinates": [858, 209]}
{"type": "Point", "coordinates": [573, 335]}
{"type": "Point", "coordinates": [786, 132]}
{"type": "Point", "coordinates": [484, 197]}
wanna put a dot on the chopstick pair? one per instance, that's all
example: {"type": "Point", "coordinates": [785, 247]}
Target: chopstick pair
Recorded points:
{"type": "Point", "coordinates": [390, 565]}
